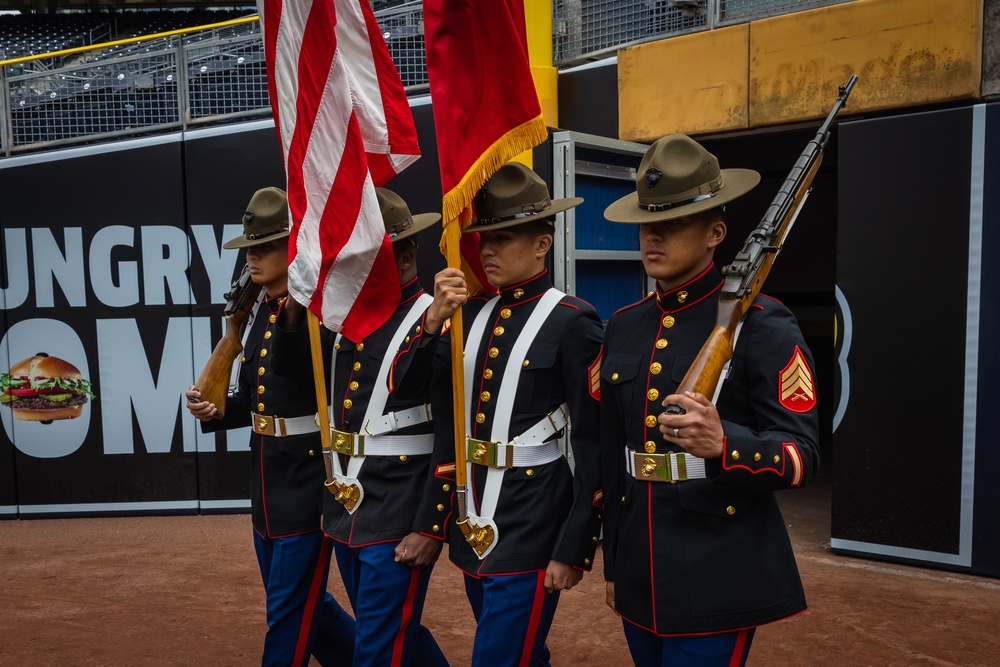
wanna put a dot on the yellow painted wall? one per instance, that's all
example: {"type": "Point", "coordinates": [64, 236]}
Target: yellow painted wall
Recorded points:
{"type": "Point", "coordinates": [787, 68]}
{"type": "Point", "coordinates": [692, 84]}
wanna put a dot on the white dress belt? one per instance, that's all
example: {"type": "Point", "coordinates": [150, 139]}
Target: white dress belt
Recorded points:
{"type": "Point", "coordinates": [395, 421]}
{"type": "Point", "coordinates": [668, 467]}
{"type": "Point", "coordinates": [281, 427]}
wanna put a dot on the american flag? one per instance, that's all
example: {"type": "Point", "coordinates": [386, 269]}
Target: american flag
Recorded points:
{"type": "Point", "coordinates": [345, 128]}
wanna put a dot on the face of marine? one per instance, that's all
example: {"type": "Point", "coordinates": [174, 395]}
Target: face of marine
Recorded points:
{"type": "Point", "coordinates": [513, 255]}
{"type": "Point", "coordinates": [676, 251]}
{"type": "Point", "coordinates": [268, 264]}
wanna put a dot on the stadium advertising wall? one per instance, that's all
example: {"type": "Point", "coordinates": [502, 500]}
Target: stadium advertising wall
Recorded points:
{"type": "Point", "coordinates": [112, 261]}
{"type": "Point", "coordinates": [918, 277]}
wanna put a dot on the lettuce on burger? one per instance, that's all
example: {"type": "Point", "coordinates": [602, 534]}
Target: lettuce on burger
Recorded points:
{"type": "Point", "coordinates": [44, 388]}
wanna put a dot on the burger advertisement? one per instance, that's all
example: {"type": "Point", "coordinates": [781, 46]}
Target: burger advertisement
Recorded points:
{"type": "Point", "coordinates": [43, 389]}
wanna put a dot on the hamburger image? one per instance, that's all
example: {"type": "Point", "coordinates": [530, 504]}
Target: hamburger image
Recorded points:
{"type": "Point", "coordinates": [43, 388]}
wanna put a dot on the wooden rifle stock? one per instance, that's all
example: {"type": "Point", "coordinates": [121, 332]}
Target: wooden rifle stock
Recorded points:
{"type": "Point", "coordinates": [213, 383]}
{"type": "Point", "coordinates": [746, 274]}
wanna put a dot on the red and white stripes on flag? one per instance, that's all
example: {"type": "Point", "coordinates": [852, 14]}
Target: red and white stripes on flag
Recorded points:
{"type": "Point", "coordinates": [345, 128]}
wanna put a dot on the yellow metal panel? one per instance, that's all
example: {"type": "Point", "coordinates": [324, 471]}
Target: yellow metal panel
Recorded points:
{"type": "Point", "coordinates": [691, 84]}
{"type": "Point", "coordinates": [538, 22]}
{"type": "Point", "coordinates": [905, 52]}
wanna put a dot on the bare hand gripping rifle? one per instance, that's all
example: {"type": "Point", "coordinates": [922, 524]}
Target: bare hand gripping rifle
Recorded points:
{"type": "Point", "coordinates": [213, 383]}
{"type": "Point", "coordinates": [745, 275]}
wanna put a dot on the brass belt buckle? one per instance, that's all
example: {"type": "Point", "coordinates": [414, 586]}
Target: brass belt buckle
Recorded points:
{"type": "Point", "coordinates": [350, 444]}
{"type": "Point", "coordinates": [263, 425]}
{"type": "Point", "coordinates": [482, 452]}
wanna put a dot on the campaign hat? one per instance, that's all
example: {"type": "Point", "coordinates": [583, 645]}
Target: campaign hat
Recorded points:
{"type": "Point", "coordinates": [513, 196]}
{"type": "Point", "coordinates": [677, 177]}
{"type": "Point", "coordinates": [399, 222]}
{"type": "Point", "coordinates": [265, 219]}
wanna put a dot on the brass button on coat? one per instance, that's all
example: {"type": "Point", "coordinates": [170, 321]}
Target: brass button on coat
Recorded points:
{"type": "Point", "coordinates": [498, 331]}
{"type": "Point", "coordinates": [488, 373]}
{"type": "Point", "coordinates": [353, 386]}
{"type": "Point", "coordinates": [260, 407]}
{"type": "Point", "coordinates": [652, 394]}
{"type": "Point", "coordinates": [361, 347]}
{"type": "Point", "coordinates": [655, 368]}
{"type": "Point", "coordinates": [480, 418]}
{"type": "Point", "coordinates": [436, 528]}
{"type": "Point", "coordinates": [668, 321]}
{"type": "Point", "coordinates": [485, 397]}
{"type": "Point", "coordinates": [730, 510]}
{"type": "Point", "coordinates": [263, 353]}
{"type": "Point", "coordinates": [529, 472]}
{"type": "Point", "coordinates": [735, 455]}
{"type": "Point", "coordinates": [440, 507]}
{"type": "Point", "coordinates": [272, 318]}
{"type": "Point", "coordinates": [756, 457]}
{"type": "Point", "coordinates": [348, 403]}
{"type": "Point", "coordinates": [777, 459]}
{"type": "Point", "coordinates": [402, 457]}
{"type": "Point", "coordinates": [614, 376]}
{"type": "Point", "coordinates": [660, 344]}
{"type": "Point", "coordinates": [446, 487]}
{"type": "Point", "coordinates": [650, 421]}
{"type": "Point", "coordinates": [260, 389]}
{"type": "Point", "coordinates": [505, 313]}
{"type": "Point", "coordinates": [494, 353]}
{"type": "Point", "coordinates": [260, 371]}
{"type": "Point", "coordinates": [357, 366]}
{"type": "Point", "coordinates": [267, 335]}
{"type": "Point", "coordinates": [525, 363]}
{"type": "Point", "coordinates": [650, 447]}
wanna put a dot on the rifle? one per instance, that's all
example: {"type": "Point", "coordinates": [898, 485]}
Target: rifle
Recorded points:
{"type": "Point", "coordinates": [744, 277]}
{"type": "Point", "coordinates": [213, 383]}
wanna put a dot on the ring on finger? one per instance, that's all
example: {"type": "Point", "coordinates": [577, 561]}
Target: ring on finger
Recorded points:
{"type": "Point", "coordinates": [677, 432]}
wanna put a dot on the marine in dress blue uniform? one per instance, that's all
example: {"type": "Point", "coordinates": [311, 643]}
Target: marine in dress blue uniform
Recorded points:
{"type": "Point", "coordinates": [286, 456]}
{"type": "Point", "coordinates": [533, 360]}
{"type": "Point", "coordinates": [383, 450]}
{"type": "Point", "coordinates": [696, 551]}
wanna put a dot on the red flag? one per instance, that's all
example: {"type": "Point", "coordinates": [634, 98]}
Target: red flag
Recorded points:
{"type": "Point", "coordinates": [486, 110]}
{"type": "Point", "coordinates": [345, 128]}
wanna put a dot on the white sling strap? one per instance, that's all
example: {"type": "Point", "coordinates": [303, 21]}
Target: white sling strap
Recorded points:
{"type": "Point", "coordinates": [379, 397]}
{"type": "Point", "coordinates": [505, 404]}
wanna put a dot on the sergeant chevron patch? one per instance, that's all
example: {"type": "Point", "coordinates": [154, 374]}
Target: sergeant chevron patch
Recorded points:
{"type": "Point", "coordinates": [594, 375]}
{"type": "Point", "coordinates": [796, 390]}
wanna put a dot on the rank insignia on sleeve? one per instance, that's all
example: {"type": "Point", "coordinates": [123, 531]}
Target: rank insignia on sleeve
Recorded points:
{"type": "Point", "coordinates": [796, 390]}
{"type": "Point", "coordinates": [594, 377]}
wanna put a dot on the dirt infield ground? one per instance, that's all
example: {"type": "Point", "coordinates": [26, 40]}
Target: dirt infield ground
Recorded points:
{"type": "Point", "coordinates": [185, 591]}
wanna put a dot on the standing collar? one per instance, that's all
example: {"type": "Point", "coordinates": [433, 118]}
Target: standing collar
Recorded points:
{"type": "Point", "coordinates": [697, 289]}
{"type": "Point", "coordinates": [410, 290]}
{"type": "Point", "coordinates": [531, 288]}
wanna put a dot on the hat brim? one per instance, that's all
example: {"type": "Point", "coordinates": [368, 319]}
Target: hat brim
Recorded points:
{"type": "Point", "coordinates": [242, 241]}
{"type": "Point", "coordinates": [558, 206]}
{"type": "Point", "coordinates": [735, 182]}
{"type": "Point", "coordinates": [421, 221]}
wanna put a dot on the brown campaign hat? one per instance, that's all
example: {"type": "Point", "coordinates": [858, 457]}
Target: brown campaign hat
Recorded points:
{"type": "Point", "coordinates": [266, 219]}
{"type": "Point", "coordinates": [515, 195]}
{"type": "Point", "coordinates": [399, 222]}
{"type": "Point", "coordinates": [678, 177]}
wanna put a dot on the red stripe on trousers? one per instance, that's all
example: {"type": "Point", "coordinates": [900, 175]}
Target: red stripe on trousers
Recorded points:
{"type": "Point", "coordinates": [737, 658]}
{"type": "Point", "coordinates": [404, 622]}
{"type": "Point", "coordinates": [314, 593]}
{"type": "Point", "coordinates": [534, 621]}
